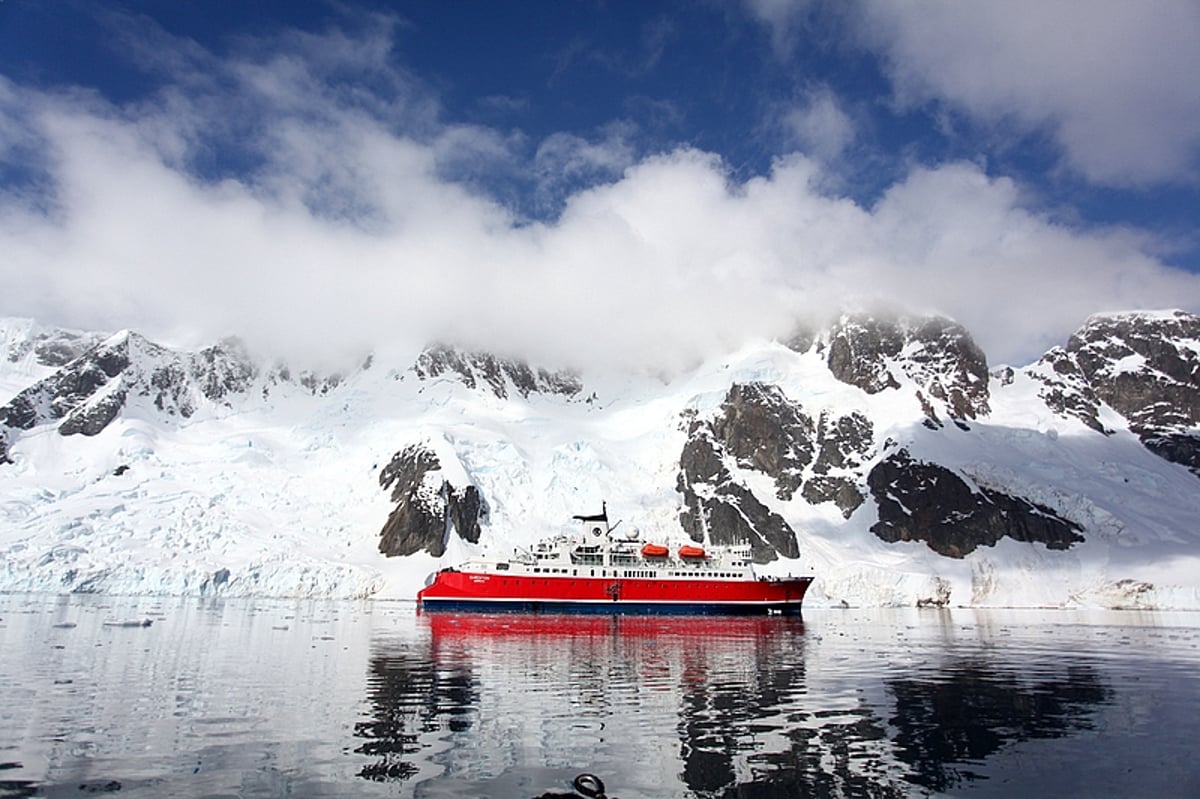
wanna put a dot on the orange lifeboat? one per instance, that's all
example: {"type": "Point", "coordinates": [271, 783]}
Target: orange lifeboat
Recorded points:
{"type": "Point", "coordinates": [691, 552]}
{"type": "Point", "coordinates": [654, 551]}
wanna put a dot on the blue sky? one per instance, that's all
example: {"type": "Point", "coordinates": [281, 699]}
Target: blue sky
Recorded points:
{"type": "Point", "coordinates": [696, 172]}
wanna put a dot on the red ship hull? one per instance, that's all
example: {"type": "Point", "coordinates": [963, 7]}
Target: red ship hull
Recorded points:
{"type": "Point", "coordinates": [453, 589]}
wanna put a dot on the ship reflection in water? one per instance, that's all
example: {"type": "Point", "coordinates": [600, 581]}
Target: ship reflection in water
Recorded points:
{"type": "Point", "coordinates": [488, 704]}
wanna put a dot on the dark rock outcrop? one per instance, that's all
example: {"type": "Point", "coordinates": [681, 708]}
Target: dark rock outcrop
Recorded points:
{"type": "Point", "coordinates": [317, 385]}
{"type": "Point", "coordinates": [428, 506]}
{"type": "Point", "coordinates": [935, 353]}
{"type": "Point", "coordinates": [223, 369]}
{"type": "Point", "coordinates": [93, 417]}
{"type": "Point", "coordinates": [476, 369]}
{"type": "Point", "coordinates": [767, 432]}
{"type": "Point", "coordinates": [843, 444]}
{"type": "Point", "coordinates": [86, 394]}
{"type": "Point", "coordinates": [53, 347]}
{"type": "Point", "coordinates": [717, 504]}
{"type": "Point", "coordinates": [859, 351]}
{"type": "Point", "coordinates": [1145, 366]}
{"type": "Point", "coordinates": [1066, 390]}
{"type": "Point", "coordinates": [760, 430]}
{"type": "Point", "coordinates": [90, 391]}
{"type": "Point", "coordinates": [921, 501]}
{"type": "Point", "coordinates": [69, 388]}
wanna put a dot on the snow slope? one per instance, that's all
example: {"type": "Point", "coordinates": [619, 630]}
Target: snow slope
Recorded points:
{"type": "Point", "coordinates": [274, 491]}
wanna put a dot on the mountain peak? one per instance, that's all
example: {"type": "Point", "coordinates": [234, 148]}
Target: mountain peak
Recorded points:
{"type": "Point", "coordinates": [500, 375]}
{"type": "Point", "coordinates": [934, 354]}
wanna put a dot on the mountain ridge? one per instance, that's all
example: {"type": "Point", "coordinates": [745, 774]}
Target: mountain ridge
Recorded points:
{"type": "Point", "coordinates": [880, 453]}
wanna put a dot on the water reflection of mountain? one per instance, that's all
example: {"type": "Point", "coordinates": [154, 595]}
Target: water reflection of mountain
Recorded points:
{"type": "Point", "coordinates": [971, 709]}
{"type": "Point", "coordinates": [410, 696]}
{"type": "Point", "coordinates": [712, 707]}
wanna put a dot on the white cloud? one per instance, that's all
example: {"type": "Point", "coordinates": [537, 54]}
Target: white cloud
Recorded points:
{"type": "Point", "coordinates": [783, 18]}
{"type": "Point", "coordinates": [820, 126]}
{"type": "Point", "coordinates": [1112, 80]}
{"type": "Point", "coordinates": [564, 161]}
{"type": "Point", "coordinates": [347, 234]}
{"type": "Point", "coordinates": [955, 240]}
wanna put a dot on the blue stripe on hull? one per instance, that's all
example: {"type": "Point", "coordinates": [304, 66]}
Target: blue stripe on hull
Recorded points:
{"type": "Point", "coordinates": [642, 608]}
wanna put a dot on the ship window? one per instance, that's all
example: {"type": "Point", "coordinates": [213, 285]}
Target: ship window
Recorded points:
{"type": "Point", "coordinates": [501, 567]}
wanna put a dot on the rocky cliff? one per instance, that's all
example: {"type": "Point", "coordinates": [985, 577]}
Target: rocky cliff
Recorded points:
{"type": "Point", "coordinates": [1143, 366]}
{"type": "Point", "coordinates": [21, 340]}
{"type": "Point", "coordinates": [1139, 370]}
{"type": "Point", "coordinates": [428, 507]}
{"type": "Point", "coordinates": [920, 501]}
{"type": "Point", "coordinates": [933, 357]}
{"type": "Point", "coordinates": [758, 429]}
{"type": "Point", "coordinates": [499, 375]}
{"type": "Point", "coordinates": [86, 393]}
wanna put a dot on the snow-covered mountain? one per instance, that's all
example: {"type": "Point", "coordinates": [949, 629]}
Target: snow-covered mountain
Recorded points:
{"type": "Point", "coordinates": [29, 352]}
{"type": "Point", "coordinates": [881, 455]}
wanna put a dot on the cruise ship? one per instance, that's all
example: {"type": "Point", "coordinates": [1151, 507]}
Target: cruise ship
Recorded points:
{"type": "Point", "coordinates": [603, 569]}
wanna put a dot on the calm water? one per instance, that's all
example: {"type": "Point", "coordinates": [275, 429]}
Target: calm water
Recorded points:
{"type": "Point", "coordinates": [308, 699]}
